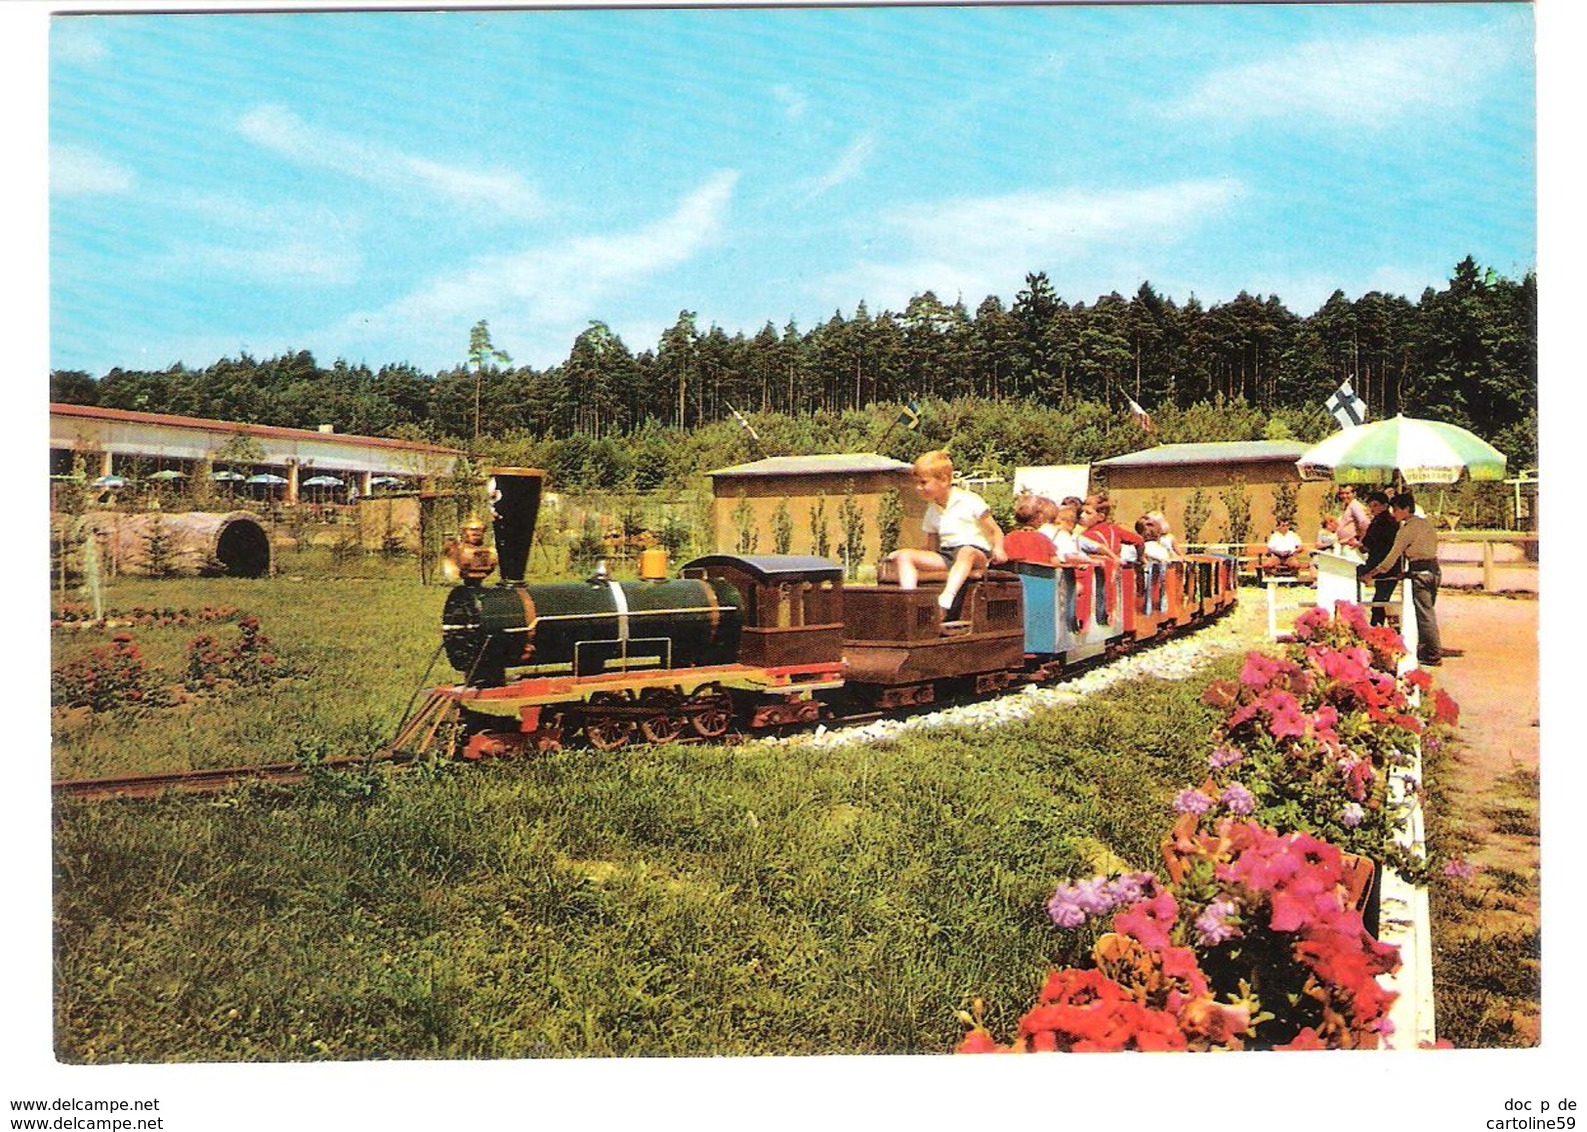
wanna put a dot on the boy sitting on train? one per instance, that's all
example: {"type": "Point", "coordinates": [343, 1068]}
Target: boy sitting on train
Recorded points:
{"type": "Point", "coordinates": [1165, 536]}
{"type": "Point", "coordinates": [961, 534]}
{"type": "Point", "coordinates": [1154, 561]}
{"type": "Point", "coordinates": [1066, 538]}
{"type": "Point", "coordinates": [1100, 531]}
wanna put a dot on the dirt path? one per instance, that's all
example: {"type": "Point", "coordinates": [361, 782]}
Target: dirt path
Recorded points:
{"type": "Point", "coordinates": [1485, 966]}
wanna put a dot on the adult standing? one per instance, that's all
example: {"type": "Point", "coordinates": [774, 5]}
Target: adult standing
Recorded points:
{"type": "Point", "coordinates": [1416, 546]}
{"type": "Point", "coordinates": [1376, 544]}
{"type": "Point", "coordinates": [1353, 519]}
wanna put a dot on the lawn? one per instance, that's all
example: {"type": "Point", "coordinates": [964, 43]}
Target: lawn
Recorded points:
{"type": "Point", "coordinates": [751, 899]}
{"type": "Point", "coordinates": [356, 649]}
{"type": "Point", "coordinates": [688, 900]}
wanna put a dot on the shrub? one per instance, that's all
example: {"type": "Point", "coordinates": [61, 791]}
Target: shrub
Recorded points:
{"type": "Point", "coordinates": [249, 661]}
{"type": "Point", "coordinates": [110, 677]}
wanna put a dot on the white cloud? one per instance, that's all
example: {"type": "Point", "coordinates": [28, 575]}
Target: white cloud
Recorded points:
{"type": "Point", "coordinates": [290, 243]}
{"type": "Point", "coordinates": [284, 261]}
{"type": "Point", "coordinates": [968, 247]}
{"type": "Point", "coordinates": [1362, 82]}
{"type": "Point", "coordinates": [283, 132]}
{"type": "Point", "coordinates": [75, 40]}
{"type": "Point", "coordinates": [78, 171]}
{"type": "Point", "coordinates": [793, 101]}
{"type": "Point", "coordinates": [849, 165]}
{"type": "Point", "coordinates": [553, 290]}
{"type": "Point", "coordinates": [1042, 224]}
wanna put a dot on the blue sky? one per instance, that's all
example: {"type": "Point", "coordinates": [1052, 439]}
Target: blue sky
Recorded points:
{"type": "Point", "coordinates": [369, 185]}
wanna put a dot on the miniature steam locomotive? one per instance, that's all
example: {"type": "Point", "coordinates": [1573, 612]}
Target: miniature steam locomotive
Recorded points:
{"type": "Point", "coordinates": [759, 642]}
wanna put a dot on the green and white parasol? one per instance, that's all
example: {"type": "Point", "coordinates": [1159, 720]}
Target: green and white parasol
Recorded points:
{"type": "Point", "coordinates": [1420, 451]}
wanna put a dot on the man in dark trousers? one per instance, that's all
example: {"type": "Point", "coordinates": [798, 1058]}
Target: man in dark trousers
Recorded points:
{"type": "Point", "coordinates": [1376, 541]}
{"type": "Point", "coordinates": [1416, 546]}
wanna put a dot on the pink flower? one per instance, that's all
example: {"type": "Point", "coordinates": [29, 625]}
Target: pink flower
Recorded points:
{"type": "Point", "coordinates": [1460, 868]}
{"type": "Point", "coordinates": [1149, 921]}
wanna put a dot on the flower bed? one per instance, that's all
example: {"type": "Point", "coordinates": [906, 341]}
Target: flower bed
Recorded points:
{"type": "Point", "coordinates": [78, 615]}
{"type": "Point", "coordinates": [1256, 940]}
{"type": "Point", "coordinates": [118, 676]}
{"type": "Point", "coordinates": [109, 677]}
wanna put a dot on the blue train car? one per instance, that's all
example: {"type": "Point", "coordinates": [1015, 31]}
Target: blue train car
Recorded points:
{"type": "Point", "coordinates": [1072, 611]}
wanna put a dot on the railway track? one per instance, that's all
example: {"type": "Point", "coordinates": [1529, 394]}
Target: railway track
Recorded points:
{"type": "Point", "coordinates": [218, 780]}
{"type": "Point", "coordinates": [221, 779]}
{"type": "Point", "coordinates": [215, 780]}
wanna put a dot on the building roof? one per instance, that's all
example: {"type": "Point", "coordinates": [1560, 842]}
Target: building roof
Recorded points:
{"type": "Point", "coordinates": [834, 464]}
{"type": "Point", "coordinates": [1227, 452]}
{"type": "Point", "coordinates": [128, 416]}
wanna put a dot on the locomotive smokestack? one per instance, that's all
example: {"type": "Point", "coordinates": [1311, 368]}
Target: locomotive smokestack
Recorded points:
{"type": "Point", "coordinates": [515, 506]}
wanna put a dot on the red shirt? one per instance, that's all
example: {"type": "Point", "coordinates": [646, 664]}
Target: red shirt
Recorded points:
{"type": "Point", "coordinates": [1029, 546]}
{"type": "Point", "coordinates": [1113, 536]}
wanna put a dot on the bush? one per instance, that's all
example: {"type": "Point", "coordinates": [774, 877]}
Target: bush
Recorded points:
{"type": "Point", "coordinates": [249, 661]}
{"type": "Point", "coordinates": [110, 677]}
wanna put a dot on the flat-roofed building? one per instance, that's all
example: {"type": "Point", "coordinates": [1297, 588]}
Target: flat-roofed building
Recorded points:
{"type": "Point", "coordinates": [111, 441]}
{"type": "Point", "coordinates": [818, 505]}
{"type": "Point", "coordinates": [1258, 472]}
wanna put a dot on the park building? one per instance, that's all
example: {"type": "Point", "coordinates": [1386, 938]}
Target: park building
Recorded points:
{"type": "Point", "coordinates": [116, 447]}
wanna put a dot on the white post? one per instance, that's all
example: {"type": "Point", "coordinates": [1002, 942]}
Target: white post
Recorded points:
{"type": "Point", "coordinates": [1408, 626]}
{"type": "Point", "coordinates": [1336, 579]}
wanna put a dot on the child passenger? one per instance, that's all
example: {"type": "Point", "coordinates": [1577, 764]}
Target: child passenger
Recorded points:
{"type": "Point", "coordinates": [960, 532]}
{"type": "Point", "coordinates": [1165, 536]}
{"type": "Point", "coordinates": [1029, 542]}
{"type": "Point", "coordinates": [1065, 538]}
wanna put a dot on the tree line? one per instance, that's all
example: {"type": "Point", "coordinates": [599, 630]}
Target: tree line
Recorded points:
{"type": "Point", "coordinates": [1465, 353]}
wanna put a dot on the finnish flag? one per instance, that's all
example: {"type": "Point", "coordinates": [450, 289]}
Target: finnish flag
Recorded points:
{"type": "Point", "coordinates": [1346, 407]}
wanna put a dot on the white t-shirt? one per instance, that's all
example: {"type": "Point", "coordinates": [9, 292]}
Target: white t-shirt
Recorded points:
{"type": "Point", "coordinates": [1283, 543]}
{"type": "Point", "coordinates": [957, 522]}
{"type": "Point", "coordinates": [1066, 542]}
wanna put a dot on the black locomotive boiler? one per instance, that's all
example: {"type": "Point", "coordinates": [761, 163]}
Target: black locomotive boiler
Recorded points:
{"type": "Point", "coordinates": [761, 641]}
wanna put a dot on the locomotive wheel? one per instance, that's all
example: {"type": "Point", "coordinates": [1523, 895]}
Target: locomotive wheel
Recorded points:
{"type": "Point", "coordinates": [668, 719]}
{"type": "Point", "coordinates": [604, 732]}
{"type": "Point", "coordinates": [710, 712]}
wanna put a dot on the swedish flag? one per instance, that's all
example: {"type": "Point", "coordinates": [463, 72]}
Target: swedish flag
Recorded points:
{"type": "Point", "coordinates": [909, 416]}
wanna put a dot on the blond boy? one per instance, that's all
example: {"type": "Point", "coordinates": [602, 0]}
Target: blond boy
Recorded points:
{"type": "Point", "coordinates": [961, 534]}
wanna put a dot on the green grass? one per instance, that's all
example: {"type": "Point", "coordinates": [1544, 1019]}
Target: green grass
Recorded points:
{"type": "Point", "coordinates": [1486, 942]}
{"type": "Point", "coordinates": [678, 901]}
{"type": "Point", "coordinates": [357, 648]}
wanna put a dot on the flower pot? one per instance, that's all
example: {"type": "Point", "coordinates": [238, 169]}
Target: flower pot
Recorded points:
{"type": "Point", "coordinates": [1359, 872]}
{"type": "Point", "coordinates": [1364, 889]}
{"type": "Point", "coordinates": [1180, 845]}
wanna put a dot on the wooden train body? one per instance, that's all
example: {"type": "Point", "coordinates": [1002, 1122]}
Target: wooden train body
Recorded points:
{"type": "Point", "coordinates": [760, 642]}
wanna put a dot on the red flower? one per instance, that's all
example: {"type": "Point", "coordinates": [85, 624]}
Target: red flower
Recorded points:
{"type": "Point", "coordinates": [979, 1041]}
{"type": "Point", "coordinates": [1306, 1039]}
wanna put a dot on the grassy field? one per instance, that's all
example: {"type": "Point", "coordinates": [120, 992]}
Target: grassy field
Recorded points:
{"type": "Point", "coordinates": [705, 900]}
{"type": "Point", "coordinates": [754, 899]}
{"type": "Point", "coordinates": [357, 648]}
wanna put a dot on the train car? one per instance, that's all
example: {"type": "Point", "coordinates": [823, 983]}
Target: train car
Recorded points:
{"type": "Point", "coordinates": [761, 641]}
{"type": "Point", "coordinates": [898, 652]}
{"type": "Point", "coordinates": [1072, 613]}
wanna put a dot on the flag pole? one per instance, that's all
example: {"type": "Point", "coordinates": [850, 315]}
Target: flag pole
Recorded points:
{"type": "Point", "coordinates": [894, 424]}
